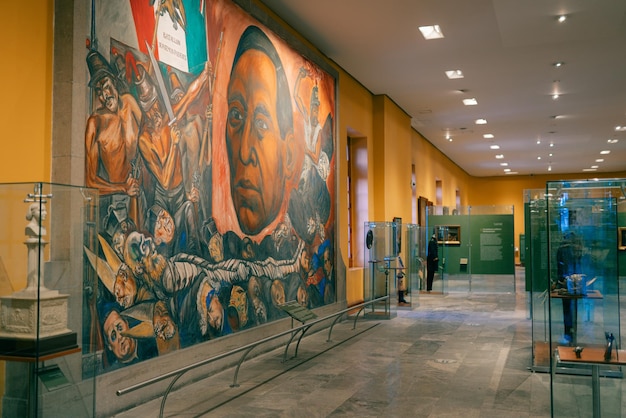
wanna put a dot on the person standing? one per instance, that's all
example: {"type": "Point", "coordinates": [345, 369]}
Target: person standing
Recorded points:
{"type": "Point", "coordinates": [432, 262]}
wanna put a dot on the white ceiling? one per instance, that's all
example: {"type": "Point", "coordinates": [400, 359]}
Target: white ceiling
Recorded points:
{"type": "Point", "coordinates": [505, 49]}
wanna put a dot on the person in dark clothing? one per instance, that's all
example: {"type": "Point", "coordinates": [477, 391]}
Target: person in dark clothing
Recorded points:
{"type": "Point", "coordinates": [568, 258]}
{"type": "Point", "coordinates": [432, 262]}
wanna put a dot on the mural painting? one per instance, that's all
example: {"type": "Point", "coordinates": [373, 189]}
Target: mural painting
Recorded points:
{"type": "Point", "coordinates": [211, 142]}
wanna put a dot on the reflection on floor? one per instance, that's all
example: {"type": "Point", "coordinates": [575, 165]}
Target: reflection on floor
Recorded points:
{"type": "Point", "coordinates": [452, 355]}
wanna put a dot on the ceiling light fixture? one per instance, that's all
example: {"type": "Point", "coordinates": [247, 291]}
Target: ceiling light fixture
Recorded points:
{"type": "Point", "coordinates": [507, 170]}
{"type": "Point", "coordinates": [488, 136]}
{"type": "Point", "coordinates": [555, 96]}
{"type": "Point", "coordinates": [454, 74]}
{"type": "Point", "coordinates": [504, 164]}
{"type": "Point", "coordinates": [605, 152]}
{"type": "Point", "coordinates": [538, 141]}
{"type": "Point", "coordinates": [620, 128]}
{"type": "Point", "coordinates": [470, 102]}
{"type": "Point", "coordinates": [539, 157]}
{"type": "Point", "coordinates": [431, 32]}
{"type": "Point", "coordinates": [612, 141]}
{"type": "Point", "coordinates": [499, 156]}
{"type": "Point", "coordinates": [558, 64]}
{"type": "Point", "coordinates": [481, 121]}
{"type": "Point", "coordinates": [599, 160]}
{"type": "Point", "coordinates": [589, 169]}
{"type": "Point", "coordinates": [494, 146]}
{"type": "Point", "coordinates": [561, 18]}
{"type": "Point", "coordinates": [549, 168]}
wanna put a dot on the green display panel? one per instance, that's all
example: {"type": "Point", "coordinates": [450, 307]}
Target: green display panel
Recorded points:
{"type": "Point", "coordinates": [493, 244]}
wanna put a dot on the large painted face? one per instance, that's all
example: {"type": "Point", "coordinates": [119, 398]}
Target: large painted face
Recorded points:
{"type": "Point", "coordinates": [123, 347]}
{"type": "Point", "coordinates": [278, 293]}
{"type": "Point", "coordinates": [125, 287]}
{"type": "Point", "coordinates": [256, 151]}
{"type": "Point", "coordinates": [142, 257]}
{"type": "Point", "coordinates": [164, 228]}
{"type": "Point", "coordinates": [107, 93]}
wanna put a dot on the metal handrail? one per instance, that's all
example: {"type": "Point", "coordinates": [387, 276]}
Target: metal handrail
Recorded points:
{"type": "Point", "coordinates": [177, 374]}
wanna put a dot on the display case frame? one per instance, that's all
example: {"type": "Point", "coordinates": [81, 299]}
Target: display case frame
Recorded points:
{"type": "Point", "coordinates": [48, 357]}
{"type": "Point", "coordinates": [575, 298]}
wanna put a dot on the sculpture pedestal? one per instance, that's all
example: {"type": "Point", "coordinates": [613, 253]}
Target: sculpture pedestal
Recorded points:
{"type": "Point", "coordinates": [34, 323]}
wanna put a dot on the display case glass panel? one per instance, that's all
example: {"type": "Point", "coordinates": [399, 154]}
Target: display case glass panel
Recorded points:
{"type": "Point", "coordinates": [381, 264]}
{"type": "Point", "coordinates": [47, 354]}
{"type": "Point", "coordinates": [414, 257]}
{"type": "Point", "coordinates": [581, 291]}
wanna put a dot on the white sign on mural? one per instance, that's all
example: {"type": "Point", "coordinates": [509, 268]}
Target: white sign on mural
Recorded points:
{"type": "Point", "coordinates": [172, 43]}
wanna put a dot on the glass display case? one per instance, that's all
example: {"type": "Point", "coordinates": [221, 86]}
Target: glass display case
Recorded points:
{"type": "Point", "coordinates": [580, 293]}
{"type": "Point", "coordinates": [46, 353]}
{"type": "Point", "coordinates": [536, 274]}
{"type": "Point", "coordinates": [382, 265]}
{"type": "Point", "coordinates": [414, 256]}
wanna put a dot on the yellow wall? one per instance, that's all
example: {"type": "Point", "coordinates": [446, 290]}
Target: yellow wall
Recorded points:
{"type": "Point", "coordinates": [26, 80]}
{"type": "Point", "coordinates": [26, 74]}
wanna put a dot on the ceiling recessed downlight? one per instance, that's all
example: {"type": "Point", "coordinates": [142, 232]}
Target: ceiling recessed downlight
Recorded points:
{"type": "Point", "coordinates": [481, 121]}
{"type": "Point", "coordinates": [612, 141]}
{"type": "Point", "coordinates": [453, 74]}
{"type": "Point", "coordinates": [494, 146]}
{"type": "Point", "coordinates": [431, 32]}
{"type": "Point", "coordinates": [470, 102]}
{"type": "Point", "coordinates": [605, 152]}
{"type": "Point", "coordinates": [488, 136]}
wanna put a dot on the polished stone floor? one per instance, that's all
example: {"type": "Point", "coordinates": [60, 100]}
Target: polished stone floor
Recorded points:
{"type": "Point", "coordinates": [453, 355]}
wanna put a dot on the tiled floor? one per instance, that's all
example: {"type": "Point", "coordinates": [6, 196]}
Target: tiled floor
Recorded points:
{"type": "Point", "coordinates": [454, 355]}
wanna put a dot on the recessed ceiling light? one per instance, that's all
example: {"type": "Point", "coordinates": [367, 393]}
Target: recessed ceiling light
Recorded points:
{"type": "Point", "coordinates": [538, 141]}
{"type": "Point", "coordinates": [604, 152]}
{"type": "Point", "coordinates": [539, 157]}
{"type": "Point", "coordinates": [589, 169]}
{"type": "Point", "coordinates": [551, 144]}
{"type": "Point", "coordinates": [431, 32]}
{"type": "Point", "coordinates": [507, 170]}
{"type": "Point", "coordinates": [452, 74]}
{"type": "Point", "coordinates": [599, 160]}
{"type": "Point", "coordinates": [620, 128]}
{"type": "Point", "coordinates": [561, 18]}
{"type": "Point", "coordinates": [549, 168]}
{"type": "Point", "coordinates": [500, 156]}
{"type": "Point", "coordinates": [470, 102]}
{"type": "Point", "coordinates": [555, 96]}
{"type": "Point", "coordinates": [488, 136]}
{"type": "Point", "coordinates": [558, 64]}
{"type": "Point", "coordinates": [481, 121]}
{"type": "Point", "coordinates": [494, 146]}
{"type": "Point", "coordinates": [594, 166]}
{"type": "Point", "coordinates": [511, 172]}
{"type": "Point", "coordinates": [612, 141]}
{"type": "Point", "coordinates": [504, 164]}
